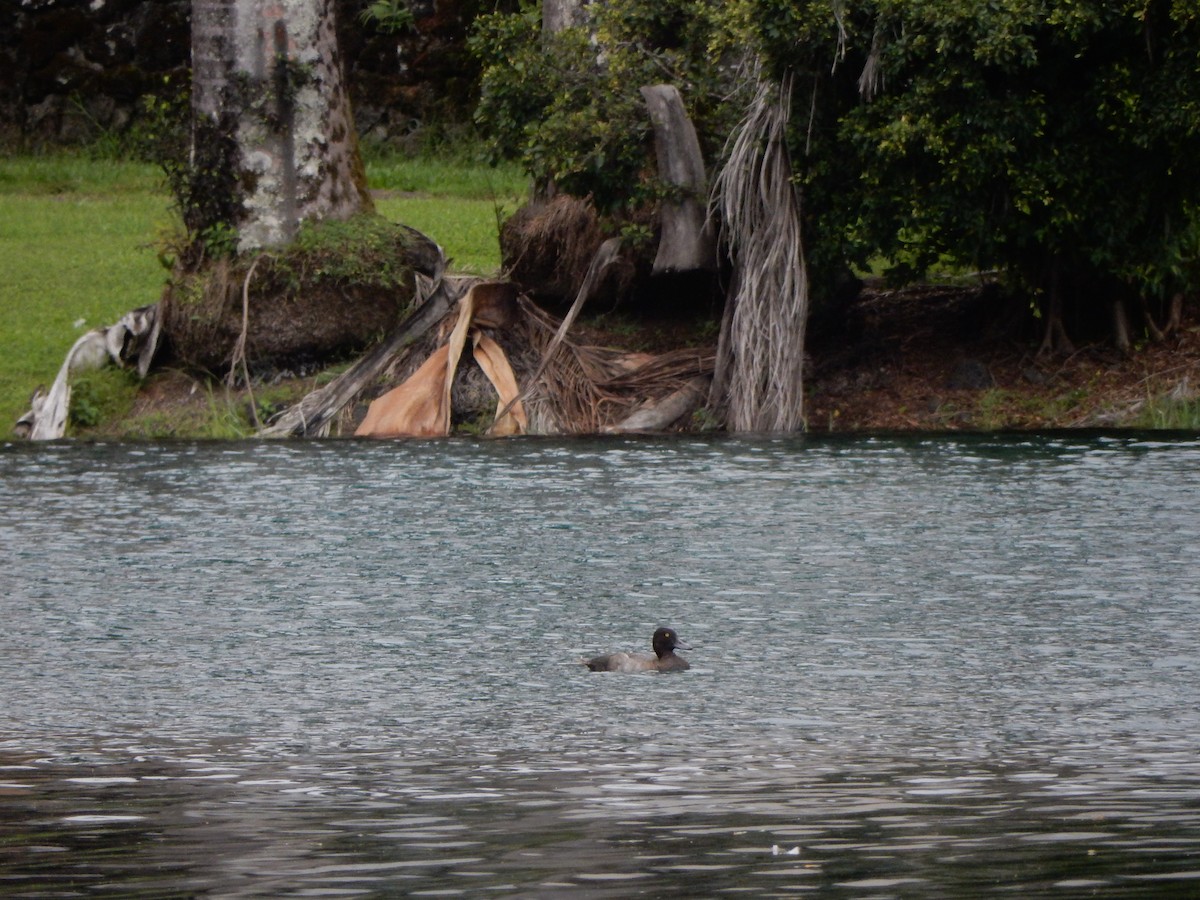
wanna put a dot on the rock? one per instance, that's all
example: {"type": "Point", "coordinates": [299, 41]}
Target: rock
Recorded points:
{"type": "Point", "coordinates": [971, 375]}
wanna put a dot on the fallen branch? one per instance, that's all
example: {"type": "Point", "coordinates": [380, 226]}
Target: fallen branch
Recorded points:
{"type": "Point", "coordinates": [658, 415]}
{"type": "Point", "coordinates": [587, 389]}
{"type": "Point", "coordinates": [136, 331]}
{"type": "Point", "coordinates": [239, 349]}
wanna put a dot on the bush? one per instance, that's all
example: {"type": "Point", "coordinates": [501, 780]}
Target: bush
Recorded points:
{"type": "Point", "coordinates": [1053, 141]}
{"type": "Point", "coordinates": [568, 104]}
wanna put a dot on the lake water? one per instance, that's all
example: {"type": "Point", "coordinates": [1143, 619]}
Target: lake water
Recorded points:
{"type": "Point", "coordinates": [922, 667]}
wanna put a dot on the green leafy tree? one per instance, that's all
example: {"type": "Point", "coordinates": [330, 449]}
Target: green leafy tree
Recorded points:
{"type": "Point", "coordinates": [1054, 141]}
{"type": "Point", "coordinates": [567, 103]}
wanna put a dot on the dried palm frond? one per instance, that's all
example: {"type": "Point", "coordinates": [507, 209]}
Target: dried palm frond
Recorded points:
{"type": "Point", "coordinates": [761, 351]}
{"type": "Point", "coordinates": [316, 413]}
{"type": "Point", "coordinates": [871, 81]}
{"type": "Point", "coordinates": [585, 389]}
{"type": "Point", "coordinates": [568, 388]}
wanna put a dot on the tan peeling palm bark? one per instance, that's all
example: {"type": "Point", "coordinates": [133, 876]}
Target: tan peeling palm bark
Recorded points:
{"type": "Point", "coordinates": [420, 407]}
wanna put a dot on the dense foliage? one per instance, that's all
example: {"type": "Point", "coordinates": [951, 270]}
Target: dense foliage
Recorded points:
{"type": "Point", "coordinates": [1053, 141]}
{"type": "Point", "coordinates": [567, 104]}
{"type": "Point", "coordinates": [1045, 139]}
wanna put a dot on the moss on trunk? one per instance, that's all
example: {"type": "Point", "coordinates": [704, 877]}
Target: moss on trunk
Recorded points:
{"type": "Point", "coordinates": [331, 292]}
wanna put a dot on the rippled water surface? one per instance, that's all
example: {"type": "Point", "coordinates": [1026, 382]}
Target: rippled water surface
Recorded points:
{"type": "Point", "coordinates": [941, 667]}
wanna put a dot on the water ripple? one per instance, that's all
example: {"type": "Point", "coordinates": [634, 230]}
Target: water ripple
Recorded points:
{"type": "Point", "coordinates": [922, 665]}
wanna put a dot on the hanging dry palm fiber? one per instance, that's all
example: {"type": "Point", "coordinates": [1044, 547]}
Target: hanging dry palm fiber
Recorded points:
{"type": "Point", "coordinates": [761, 352]}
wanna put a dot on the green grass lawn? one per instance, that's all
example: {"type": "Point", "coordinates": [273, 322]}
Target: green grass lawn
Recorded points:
{"type": "Point", "coordinates": [76, 250]}
{"type": "Point", "coordinates": [78, 245]}
{"type": "Point", "coordinates": [458, 203]}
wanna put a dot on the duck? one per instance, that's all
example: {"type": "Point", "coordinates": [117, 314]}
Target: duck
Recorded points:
{"type": "Point", "coordinates": [664, 659]}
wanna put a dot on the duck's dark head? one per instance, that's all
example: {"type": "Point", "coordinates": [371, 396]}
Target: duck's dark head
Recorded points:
{"type": "Point", "coordinates": [666, 640]}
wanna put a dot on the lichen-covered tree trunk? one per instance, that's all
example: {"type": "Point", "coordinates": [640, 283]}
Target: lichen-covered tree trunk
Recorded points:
{"type": "Point", "coordinates": [273, 132]}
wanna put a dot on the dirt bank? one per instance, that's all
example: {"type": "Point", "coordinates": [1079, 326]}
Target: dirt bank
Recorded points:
{"type": "Point", "coordinates": [926, 359]}
{"type": "Point", "coordinates": [945, 358]}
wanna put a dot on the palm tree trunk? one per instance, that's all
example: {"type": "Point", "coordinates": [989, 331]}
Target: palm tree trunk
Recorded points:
{"type": "Point", "coordinates": [759, 383]}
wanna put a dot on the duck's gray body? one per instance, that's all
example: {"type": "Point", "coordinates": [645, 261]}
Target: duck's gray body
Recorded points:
{"type": "Point", "coordinates": [664, 658]}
